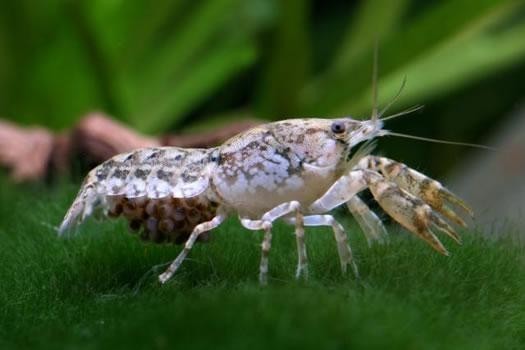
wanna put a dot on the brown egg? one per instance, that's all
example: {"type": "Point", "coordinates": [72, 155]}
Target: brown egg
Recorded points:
{"type": "Point", "coordinates": [166, 226]}
{"type": "Point", "coordinates": [179, 214]}
{"type": "Point", "coordinates": [129, 209]}
{"type": "Point", "coordinates": [180, 225]}
{"type": "Point", "coordinates": [194, 216]}
{"type": "Point", "coordinates": [151, 207]}
{"type": "Point", "coordinates": [165, 211]}
{"type": "Point", "coordinates": [151, 225]}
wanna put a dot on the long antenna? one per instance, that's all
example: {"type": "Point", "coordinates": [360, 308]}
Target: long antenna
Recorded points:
{"type": "Point", "coordinates": [374, 84]}
{"type": "Point", "coordinates": [406, 111]}
{"type": "Point", "coordinates": [377, 116]}
{"type": "Point", "coordinates": [403, 83]}
{"type": "Point", "coordinates": [420, 138]}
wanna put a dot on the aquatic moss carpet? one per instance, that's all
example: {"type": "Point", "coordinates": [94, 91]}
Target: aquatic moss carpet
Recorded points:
{"type": "Point", "coordinates": [98, 289]}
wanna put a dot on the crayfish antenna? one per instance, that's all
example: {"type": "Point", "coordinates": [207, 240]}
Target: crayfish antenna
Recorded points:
{"type": "Point", "coordinates": [375, 115]}
{"type": "Point", "coordinates": [429, 139]}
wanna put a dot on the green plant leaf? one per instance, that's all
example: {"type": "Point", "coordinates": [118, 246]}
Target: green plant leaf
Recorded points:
{"type": "Point", "coordinates": [443, 70]}
{"type": "Point", "coordinates": [288, 61]}
{"type": "Point", "coordinates": [206, 75]}
{"type": "Point", "coordinates": [374, 20]}
{"type": "Point", "coordinates": [438, 27]}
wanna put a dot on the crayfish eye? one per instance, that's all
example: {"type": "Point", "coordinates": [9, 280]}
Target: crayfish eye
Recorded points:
{"type": "Point", "coordinates": [338, 127]}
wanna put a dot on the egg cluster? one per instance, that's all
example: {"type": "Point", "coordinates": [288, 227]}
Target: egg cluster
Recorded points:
{"type": "Point", "coordinates": [163, 220]}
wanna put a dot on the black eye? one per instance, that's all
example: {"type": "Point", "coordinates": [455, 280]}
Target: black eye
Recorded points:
{"type": "Point", "coordinates": [338, 127]}
{"type": "Point", "coordinates": [215, 157]}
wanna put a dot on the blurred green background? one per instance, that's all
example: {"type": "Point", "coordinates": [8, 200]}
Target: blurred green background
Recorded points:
{"type": "Point", "coordinates": [174, 65]}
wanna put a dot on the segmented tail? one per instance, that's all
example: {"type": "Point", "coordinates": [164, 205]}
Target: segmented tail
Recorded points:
{"type": "Point", "coordinates": [81, 208]}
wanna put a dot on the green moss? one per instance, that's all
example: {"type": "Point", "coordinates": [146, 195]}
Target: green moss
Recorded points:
{"type": "Point", "coordinates": [99, 290]}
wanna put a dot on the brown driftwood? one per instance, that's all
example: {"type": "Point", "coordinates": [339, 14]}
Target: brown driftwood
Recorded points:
{"type": "Point", "coordinates": [25, 151]}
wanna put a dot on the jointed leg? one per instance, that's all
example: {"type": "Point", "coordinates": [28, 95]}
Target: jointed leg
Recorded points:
{"type": "Point", "coordinates": [371, 225]}
{"type": "Point", "coordinates": [302, 260]}
{"type": "Point", "coordinates": [343, 247]}
{"type": "Point", "coordinates": [266, 245]}
{"type": "Point", "coordinates": [204, 227]}
{"type": "Point", "coordinates": [265, 223]}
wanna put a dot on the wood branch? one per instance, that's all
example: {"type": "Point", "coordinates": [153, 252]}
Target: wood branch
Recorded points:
{"type": "Point", "coordinates": [210, 138]}
{"type": "Point", "coordinates": [25, 151]}
{"type": "Point", "coordinates": [97, 137]}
